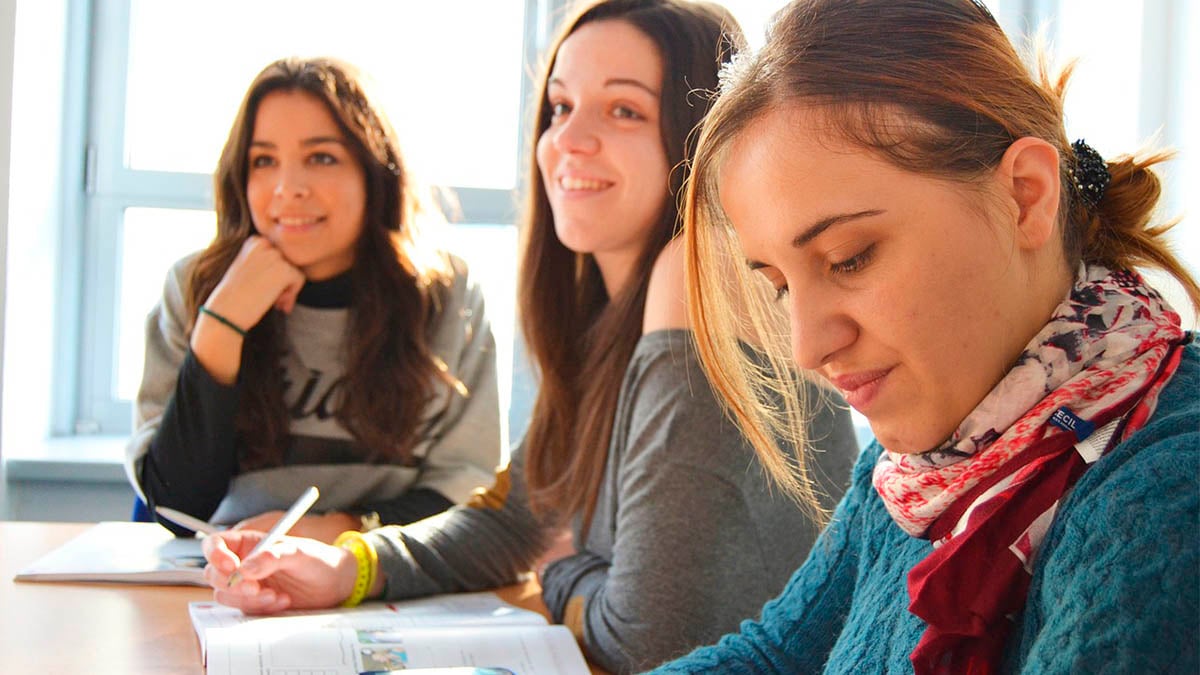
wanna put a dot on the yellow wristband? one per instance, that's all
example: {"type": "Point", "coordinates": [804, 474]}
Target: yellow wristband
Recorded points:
{"type": "Point", "coordinates": [368, 563]}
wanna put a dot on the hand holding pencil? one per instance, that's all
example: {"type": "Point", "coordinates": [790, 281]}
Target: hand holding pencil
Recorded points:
{"type": "Point", "coordinates": [277, 573]}
{"type": "Point", "coordinates": [290, 518]}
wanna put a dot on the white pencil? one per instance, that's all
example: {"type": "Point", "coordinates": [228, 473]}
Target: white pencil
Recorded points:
{"type": "Point", "coordinates": [190, 522]}
{"type": "Point", "coordinates": [293, 516]}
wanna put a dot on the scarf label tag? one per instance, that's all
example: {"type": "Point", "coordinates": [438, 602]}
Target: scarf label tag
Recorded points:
{"type": "Point", "coordinates": [1064, 419]}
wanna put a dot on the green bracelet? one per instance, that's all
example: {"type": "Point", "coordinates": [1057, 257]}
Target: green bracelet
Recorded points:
{"type": "Point", "coordinates": [233, 326]}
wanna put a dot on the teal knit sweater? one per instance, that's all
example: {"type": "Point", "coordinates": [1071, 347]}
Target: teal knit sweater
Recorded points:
{"type": "Point", "coordinates": [1115, 589]}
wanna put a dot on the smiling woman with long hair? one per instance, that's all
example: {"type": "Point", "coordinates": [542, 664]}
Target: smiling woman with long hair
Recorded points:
{"type": "Point", "coordinates": [319, 340]}
{"type": "Point", "coordinates": [676, 533]}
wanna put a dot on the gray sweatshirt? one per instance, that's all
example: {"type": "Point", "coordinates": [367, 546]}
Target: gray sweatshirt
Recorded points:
{"type": "Point", "coordinates": [184, 450]}
{"type": "Point", "coordinates": [688, 537]}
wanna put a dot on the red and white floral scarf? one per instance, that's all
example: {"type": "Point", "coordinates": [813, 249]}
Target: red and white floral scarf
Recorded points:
{"type": "Point", "coordinates": [986, 497]}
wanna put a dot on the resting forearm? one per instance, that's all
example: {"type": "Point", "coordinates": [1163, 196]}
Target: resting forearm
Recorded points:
{"type": "Point", "coordinates": [476, 547]}
{"type": "Point", "coordinates": [191, 457]}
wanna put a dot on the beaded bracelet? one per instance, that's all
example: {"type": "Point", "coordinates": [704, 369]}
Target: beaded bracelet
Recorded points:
{"type": "Point", "coordinates": [233, 326]}
{"type": "Point", "coordinates": [368, 563]}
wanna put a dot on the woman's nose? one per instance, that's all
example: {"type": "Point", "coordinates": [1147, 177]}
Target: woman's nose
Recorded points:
{"type": "Point", "coordinates": [820, 329]}
{"type": "Point", "coordinates": [291, 182]}
{"type": "Point", "coordinates": [576, 134]}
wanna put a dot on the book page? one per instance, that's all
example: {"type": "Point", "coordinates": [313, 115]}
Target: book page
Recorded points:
{"type": "Point", "coordinates": [499, 650]}
{"type": "Point", "coordinates": [456, 609]}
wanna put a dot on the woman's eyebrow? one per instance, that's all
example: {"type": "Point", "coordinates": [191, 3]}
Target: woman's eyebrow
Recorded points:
{"type": "Point", "coordinates": [631, 82]}
{"type": "Point", "coordinates": [317, 140]}
{"type": "Point", "coordinates": [813, 231]}
{"type": "Point", "coordinates": [611, 82]}
{"type": "Point", "coordinates": [314, 140]}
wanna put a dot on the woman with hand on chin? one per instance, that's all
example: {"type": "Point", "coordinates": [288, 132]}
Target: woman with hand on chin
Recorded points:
{"type": "Point", "coordinates": [677, 534]}
{"type": "Point", "coordinates": [318, 340]}
{"type": "Point", "coordinates": [965, 275]}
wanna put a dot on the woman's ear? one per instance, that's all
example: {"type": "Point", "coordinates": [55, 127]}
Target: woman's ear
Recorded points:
{"type": "Point", "coordinates": [1028, 174]}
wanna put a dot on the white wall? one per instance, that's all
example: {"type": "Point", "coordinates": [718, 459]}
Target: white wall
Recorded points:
{"type": "Point", "coordinates": [70, 501]}
{"type": "Point", "coordinates": [1168, 115]}
{"type": "Point", "coordinates": [1185, 136]}
{"type": "Point", "coordinates": [8, 31]}
{"type": "Point", "coordinates": [35, 212]}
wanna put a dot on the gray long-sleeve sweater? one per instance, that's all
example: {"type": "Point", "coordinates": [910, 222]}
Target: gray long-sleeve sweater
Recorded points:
{"type": "Point", "coordinates": [688, 537]}
{"type": "Point", "coordinates": [184, 450]}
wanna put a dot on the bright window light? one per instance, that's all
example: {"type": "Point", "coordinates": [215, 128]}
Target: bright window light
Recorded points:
{"type": "Point", "coordinates": [448, 73]}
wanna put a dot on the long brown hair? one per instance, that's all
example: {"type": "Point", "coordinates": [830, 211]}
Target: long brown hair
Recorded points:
{"type": "Point", "coordinates": [580, 339]}
{"type": "Point", "coordinates": [390, 372]}
{"type": "Point", "coordinates": [945, 69]}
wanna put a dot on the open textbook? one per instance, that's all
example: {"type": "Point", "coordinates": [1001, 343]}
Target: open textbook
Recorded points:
{"type": "Point", "coordinates": [139, 553]}
{"type": "Point", "coordinates": [477, 631]}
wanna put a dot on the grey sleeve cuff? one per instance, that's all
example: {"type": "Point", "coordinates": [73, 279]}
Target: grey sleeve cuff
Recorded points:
{"type": "Point", "coordinates": [466, 548]}
{"type": "Point", "coordinates": [579, 575]}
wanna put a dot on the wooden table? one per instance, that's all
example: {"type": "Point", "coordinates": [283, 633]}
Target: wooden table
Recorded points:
{"type": "Point", "coordinates": [108, 628]}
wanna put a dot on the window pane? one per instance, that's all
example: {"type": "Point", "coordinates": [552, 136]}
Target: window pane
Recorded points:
{"type": "Point", "coordinates": [1106, 103]}
{"type": "Point", "coordinates": [490, 252]}
{"type": "Point", "coordinates": [448, 73]}
{"type": "Point", "coordinates": [1094, 111]}
{"type": "Point", "coordinates": [753, 16]}
{"type": "Point", "coordinates": [152, 240]}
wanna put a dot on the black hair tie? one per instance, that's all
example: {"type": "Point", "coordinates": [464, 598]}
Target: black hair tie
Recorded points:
{"type": "Point", "coordinates": [1089, 176]}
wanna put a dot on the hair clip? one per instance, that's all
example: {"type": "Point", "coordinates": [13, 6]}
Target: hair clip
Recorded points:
{"type": "Point", "coordinates": [1089, 175]}
{"type": "Point", "coordinates": [734, 71]}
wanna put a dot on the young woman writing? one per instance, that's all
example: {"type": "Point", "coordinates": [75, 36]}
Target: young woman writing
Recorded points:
{"type": "Point", "coordinates": [677, 534]}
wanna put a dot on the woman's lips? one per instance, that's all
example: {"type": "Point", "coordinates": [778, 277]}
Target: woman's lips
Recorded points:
{"type": "Point", "coordinates": [579, 184]}
{"type": "Point", "coordinates": [297, 224]}
{"type": "Point", "coordinates": [860, 389]}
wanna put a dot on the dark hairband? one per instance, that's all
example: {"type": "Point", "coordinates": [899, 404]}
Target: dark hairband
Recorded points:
{"type": "Point", "coordinates": [1089, 175]}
